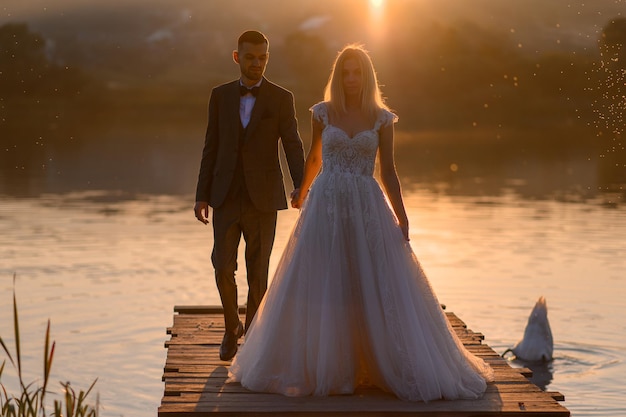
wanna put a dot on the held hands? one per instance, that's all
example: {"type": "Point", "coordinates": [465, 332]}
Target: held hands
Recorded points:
{"type": "Point", "coordinates": [201, 211]}
{"type": "Point", "coordinates": [296, 200]}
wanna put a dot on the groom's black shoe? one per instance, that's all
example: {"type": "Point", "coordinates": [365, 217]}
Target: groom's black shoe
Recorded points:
{"type": "Point", "coordinates": [228, 348]}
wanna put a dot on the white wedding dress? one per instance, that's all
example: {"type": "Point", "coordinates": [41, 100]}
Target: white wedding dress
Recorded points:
{"type": "Point", "coordinates": [349, 303]}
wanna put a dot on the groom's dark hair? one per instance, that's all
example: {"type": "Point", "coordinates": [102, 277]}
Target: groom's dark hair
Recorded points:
{"type": "Point", "coordinates": [252, 36]}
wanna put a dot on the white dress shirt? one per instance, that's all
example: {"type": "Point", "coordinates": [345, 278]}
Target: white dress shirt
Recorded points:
{"type": "Point", "coordinates": [246, 103]}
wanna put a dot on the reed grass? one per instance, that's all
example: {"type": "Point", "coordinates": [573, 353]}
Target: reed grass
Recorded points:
{"type": "Point", "coordinates": [30, 401]}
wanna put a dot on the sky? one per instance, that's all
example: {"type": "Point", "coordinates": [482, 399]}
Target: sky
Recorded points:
{"type": "Point", "coordinates": [575, 17]}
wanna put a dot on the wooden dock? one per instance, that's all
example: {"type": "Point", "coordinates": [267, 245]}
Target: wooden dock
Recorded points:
{"type": "Point", "coordinates": [195, 385]}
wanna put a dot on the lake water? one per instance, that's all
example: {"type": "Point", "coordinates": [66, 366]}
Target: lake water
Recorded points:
{"type": "Point", "coordinates": [107, 263]}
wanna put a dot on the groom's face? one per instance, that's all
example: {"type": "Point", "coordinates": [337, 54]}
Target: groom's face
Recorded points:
{"type": "Point", "coordinates": [252, 60]}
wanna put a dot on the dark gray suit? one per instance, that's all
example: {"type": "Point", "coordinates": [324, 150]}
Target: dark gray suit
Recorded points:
{"type": "Point", "coordinates": [241, 179]}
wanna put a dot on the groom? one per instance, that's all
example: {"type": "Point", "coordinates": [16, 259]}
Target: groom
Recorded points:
{"type": "Point", "coordinates": [241, 179]}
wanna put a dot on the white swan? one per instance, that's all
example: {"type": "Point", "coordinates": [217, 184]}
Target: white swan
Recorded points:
{"type": "Point", "coordinates": [537, 344]}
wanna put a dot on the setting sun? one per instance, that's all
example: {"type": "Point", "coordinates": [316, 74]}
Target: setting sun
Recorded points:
{"type": "Point", "coordinates": [377, 21]}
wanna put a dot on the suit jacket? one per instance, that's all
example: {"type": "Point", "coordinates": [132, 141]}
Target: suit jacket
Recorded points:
{"type": "Point", "coordinates": [273, 120]}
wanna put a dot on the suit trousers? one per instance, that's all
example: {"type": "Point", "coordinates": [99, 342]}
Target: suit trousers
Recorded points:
{"type": "Point", "coordinates": [237, 216]}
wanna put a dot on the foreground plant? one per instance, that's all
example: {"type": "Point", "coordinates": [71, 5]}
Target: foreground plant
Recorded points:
{"type": "Point", "coordinates": [30, 401]}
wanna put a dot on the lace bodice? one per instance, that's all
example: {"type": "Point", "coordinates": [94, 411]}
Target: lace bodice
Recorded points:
{"type": "Point", "coordinates": [344, 154]}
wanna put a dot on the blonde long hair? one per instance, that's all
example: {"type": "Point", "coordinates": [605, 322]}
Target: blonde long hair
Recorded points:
{"type": "Point", "coordinates": [371, 96]}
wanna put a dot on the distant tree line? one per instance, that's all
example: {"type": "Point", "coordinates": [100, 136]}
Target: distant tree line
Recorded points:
{"type": "Point", "coordinates": [26, 69]}
{"type": "Point", "coordinates": [440, 76]}
{"type": "Point", "coordinates": [465, 75]}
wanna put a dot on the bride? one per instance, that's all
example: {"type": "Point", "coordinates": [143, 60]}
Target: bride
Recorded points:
{"type": "Point", "coordinates": [349, 303]}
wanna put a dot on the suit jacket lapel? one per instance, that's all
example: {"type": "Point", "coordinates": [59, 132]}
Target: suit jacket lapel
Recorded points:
{"type": "Point", "coordinates": [232, 106]}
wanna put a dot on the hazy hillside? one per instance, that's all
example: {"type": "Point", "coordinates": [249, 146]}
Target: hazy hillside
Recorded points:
{"type": "Point", "coordinates": [202, 31]}
{"type": "Point", "coordinates": [486, 62]}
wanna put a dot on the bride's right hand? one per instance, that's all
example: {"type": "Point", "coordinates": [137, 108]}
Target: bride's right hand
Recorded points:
{"type": "Point", "coordinates": [404, 226]}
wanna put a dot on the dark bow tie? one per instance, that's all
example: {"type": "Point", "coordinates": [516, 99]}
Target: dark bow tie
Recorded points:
{"type": "Point", "coordinates": [243, 90]}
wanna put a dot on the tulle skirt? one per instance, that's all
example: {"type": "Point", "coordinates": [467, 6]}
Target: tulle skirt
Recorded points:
{"type": "Point", "coordinates": [349, 304]}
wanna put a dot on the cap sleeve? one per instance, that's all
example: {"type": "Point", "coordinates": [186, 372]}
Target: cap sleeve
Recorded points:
{"type": "Point", "coordinates": [385, 118]}
{"type": "Point", "coordinates": [320, 112]}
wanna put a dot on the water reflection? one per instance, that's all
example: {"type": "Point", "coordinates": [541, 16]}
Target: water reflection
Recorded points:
{"type": "Point", "coordinates": [533, 165]}
{"type": "Point", "coordinates": [107, 267]}
{"type": "Point", "coordinates": [542, 372]}
{"type": "Point", "coordinates": [579, 359]}
{"type": "Point", "coordinates": [571, 360]}
{"type": "Point", "coordinates": [156, 159]}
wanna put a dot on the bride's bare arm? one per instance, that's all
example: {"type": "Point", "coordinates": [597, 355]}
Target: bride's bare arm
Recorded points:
{"type": "Point", "coordinates": [312, 164]}
{"type": "Point", "coordinates": [389, 177]}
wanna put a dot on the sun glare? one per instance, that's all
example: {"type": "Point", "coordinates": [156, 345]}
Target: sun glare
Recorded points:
{"type": "Point", "coordinates": [377, 21]}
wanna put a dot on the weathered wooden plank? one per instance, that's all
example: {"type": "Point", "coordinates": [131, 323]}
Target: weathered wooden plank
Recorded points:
{"type": "Point", "coordinates": [214, 309]}
{"type": "Point", "coordinates": [556, 395]}
{"type": "Point", "coordinates": [520, 392]}
{"type": "Point", "coordinates": [501, 373]}
{"type": "Point", "coordinates": [209, 380]}
{"type": "Point", "coordinates": [195, 384]}
{"type": "Point", "coordinates": [365, 403]}
{"type": "Point", "coordinates": [215, 337]}
{"type": "Point", "coordinates": [202, 309]}
{"type": "Point", "coordinates": [489, 402]}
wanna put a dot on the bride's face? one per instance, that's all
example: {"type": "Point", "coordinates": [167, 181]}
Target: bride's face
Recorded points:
{"type": "Point", "coordinates": [352, 77]}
